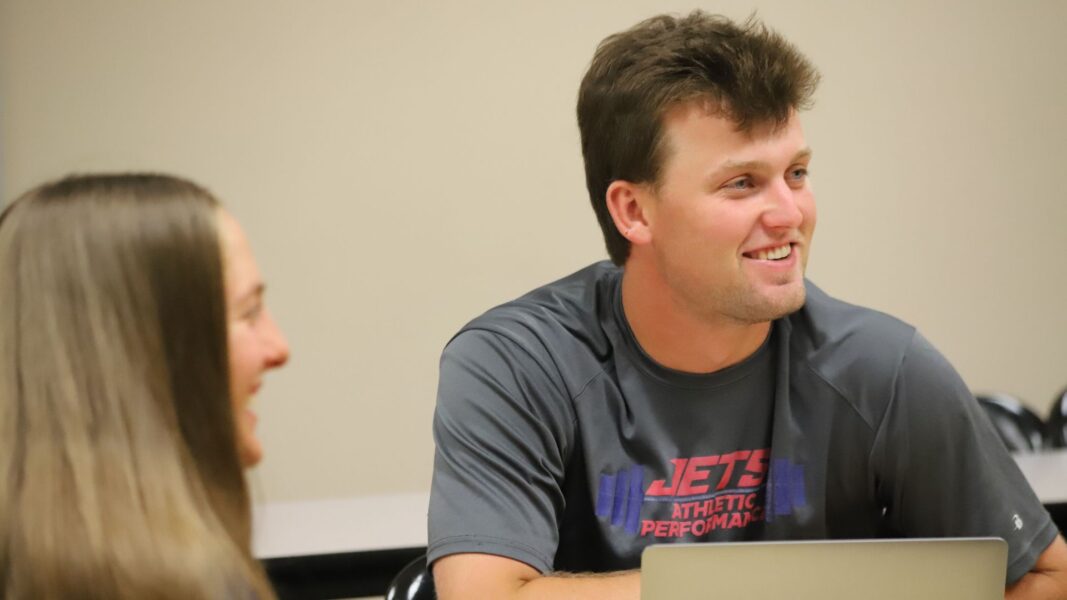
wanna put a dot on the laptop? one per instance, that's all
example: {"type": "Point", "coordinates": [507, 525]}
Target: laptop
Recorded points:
{"type": "Point", "coordinates": [897, 569]}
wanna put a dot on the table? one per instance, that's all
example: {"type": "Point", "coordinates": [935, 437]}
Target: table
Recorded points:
{"type": "Point", "coordinates": [359, 524]}
{"type": "Point", "coordinates": [353, 546]}
{"type": "Point", "coordinates": [390, 521]}
{"type": "Point", "coordinates": [347, 547]}
{"type": "Point", "coordinates": [1047, 473]}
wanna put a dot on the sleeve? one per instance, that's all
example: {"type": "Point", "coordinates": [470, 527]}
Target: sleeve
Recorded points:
{"type": "Point", "coordinates": [942, 470]}
{"type": "Point", "coordinates": [502, 427]}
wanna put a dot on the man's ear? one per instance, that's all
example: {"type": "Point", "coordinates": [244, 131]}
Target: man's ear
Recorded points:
{"type": "Point", "coordinates": [628, 204]}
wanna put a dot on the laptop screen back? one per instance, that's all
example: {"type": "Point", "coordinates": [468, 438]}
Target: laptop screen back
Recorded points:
{"type": "Point", "coordinates": [912, 569]}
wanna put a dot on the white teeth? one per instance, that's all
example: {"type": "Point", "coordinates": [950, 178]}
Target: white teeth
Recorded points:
{"type": "Point", "coordinates": [775, 253]}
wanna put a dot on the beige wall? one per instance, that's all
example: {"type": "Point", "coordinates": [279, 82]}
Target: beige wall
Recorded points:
{"type": "Point", "coordinates": [402, 166]}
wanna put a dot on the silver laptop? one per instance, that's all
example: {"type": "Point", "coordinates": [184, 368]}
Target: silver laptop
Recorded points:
{"type": "Point", "coordinates": [908, 569]}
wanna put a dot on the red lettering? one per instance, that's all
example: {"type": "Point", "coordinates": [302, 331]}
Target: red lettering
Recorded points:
{"type": "Point", "coordinates": [689, 476]}
{"type": "Point", "coordinates": [658, 489]}
{"type": "Point", "coordinates": [647, 526]}
{"type": "Point", "coordinates": [718, 521]}
{"type": "Point", "coordinates": [694, 474]}
{"type": "Point", "coordinates": [672, 531]}
{"type": "Point", "coordinates": [681, 511]}
{"type": "Point", "coordinates": [699, 528]}
{"type": "Point", "coordinates": [736, 520]}
{"type": "Point", "coordinates": [756, 469]}
{"type": "Point", "coordinates": [729, 460]}
{"type": "Point", "coordinates": [702, 508]}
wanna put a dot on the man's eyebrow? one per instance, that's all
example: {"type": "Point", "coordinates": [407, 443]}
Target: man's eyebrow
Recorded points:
{"type": "Point", "coordinates": [749, 165]}
{"type": "Point", "coordinates": [740, 165]}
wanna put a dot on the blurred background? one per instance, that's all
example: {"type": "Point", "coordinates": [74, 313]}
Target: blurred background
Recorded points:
{"type": "Point", "coordinates": [402, 166]}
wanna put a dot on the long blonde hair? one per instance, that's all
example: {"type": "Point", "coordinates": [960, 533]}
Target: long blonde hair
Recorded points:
{"type": "Point", "coordinates": [119, 468]}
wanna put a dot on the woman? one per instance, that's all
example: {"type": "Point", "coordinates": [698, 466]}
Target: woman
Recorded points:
{"type": "Point", "coordinates": [132, 337]}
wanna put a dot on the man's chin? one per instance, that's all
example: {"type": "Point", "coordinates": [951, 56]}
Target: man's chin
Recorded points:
{"type": "Point", "coordinates": [790, 299]}
{"type": "Point", "coordinates": [778, 302]}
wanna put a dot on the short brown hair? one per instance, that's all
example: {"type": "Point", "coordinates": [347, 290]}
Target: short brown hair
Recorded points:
{"type": "Point", "coordinates": [745, 72]}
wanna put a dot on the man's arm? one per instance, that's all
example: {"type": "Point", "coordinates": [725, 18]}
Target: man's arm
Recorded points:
{"type": "Point", "coordinates": [945, 472]}
{"type": "Point", "coordinates": [489, 577]}
{"type": "Point", "coordinates": [1047, 580]}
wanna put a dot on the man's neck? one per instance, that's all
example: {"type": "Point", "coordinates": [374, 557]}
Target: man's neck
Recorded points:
{"type": "Point", "coordinates": [677, 338]}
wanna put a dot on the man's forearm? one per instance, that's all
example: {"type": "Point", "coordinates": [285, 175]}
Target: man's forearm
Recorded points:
{"type": "Point", "coordinates": [1037, 586]}
{"type": "Point", "coordinates": [485, 577]}
{"type": "Point", "coordinates": [621, 585]}
{"type": "Point", "coordinates": [1047, 580]}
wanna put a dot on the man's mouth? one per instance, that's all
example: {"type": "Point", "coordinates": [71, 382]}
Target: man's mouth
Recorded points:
{"type": "Point", "coordinates": [777, 253]}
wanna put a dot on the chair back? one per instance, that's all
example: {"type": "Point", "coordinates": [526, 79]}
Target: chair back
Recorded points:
{"type": "Point", "coordinates": [1056, 427]}
{"type": "Point", "coordinates": [1018, 427]}
{"type": "Point", "coordinates": [413, 582]}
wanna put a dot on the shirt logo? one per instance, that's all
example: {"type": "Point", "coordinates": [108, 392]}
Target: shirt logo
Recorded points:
{"type": "Point", "coordinates": [705, 493]}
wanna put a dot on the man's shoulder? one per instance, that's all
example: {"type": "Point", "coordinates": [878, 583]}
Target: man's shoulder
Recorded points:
{"type": "Point", "coordinates": [559, 329]}
{"type": "Point", "coordinates": [570, 307]}
{"type": "Point", "coordinates": [848, 345]}
{"type": "Point", "coordinates": [831, 320]}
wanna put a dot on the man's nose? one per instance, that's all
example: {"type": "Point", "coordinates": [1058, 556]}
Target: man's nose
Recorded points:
{"type": "Point", "coordinates": [783, 210]}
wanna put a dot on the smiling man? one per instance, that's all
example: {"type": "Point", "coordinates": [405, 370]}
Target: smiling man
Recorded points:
{"type": "Point", "coordinates": [698, 388]}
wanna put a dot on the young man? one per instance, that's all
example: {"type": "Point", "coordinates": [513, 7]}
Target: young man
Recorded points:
{"type": "Point", "coordinates": [700, 389]}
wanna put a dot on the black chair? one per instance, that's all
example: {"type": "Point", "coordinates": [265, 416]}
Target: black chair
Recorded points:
{"type": "Point", "coordinates": [413, 582]}
{"type": "Point", "coordinates": [1056, 427]}
{"type": "Point", "coordinates": [1018, 427]}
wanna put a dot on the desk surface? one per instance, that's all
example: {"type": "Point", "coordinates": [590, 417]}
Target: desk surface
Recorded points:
{"type": "Point", "coordinates": [343, 525]}
{"type": "Point", "coordinates": [1047, 474]}
{"type": "Point", "coordinates": [391, 521]}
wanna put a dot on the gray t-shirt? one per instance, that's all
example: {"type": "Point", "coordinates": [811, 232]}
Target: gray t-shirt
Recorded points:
{"type": "Point", "coordinates": [561, 444]}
